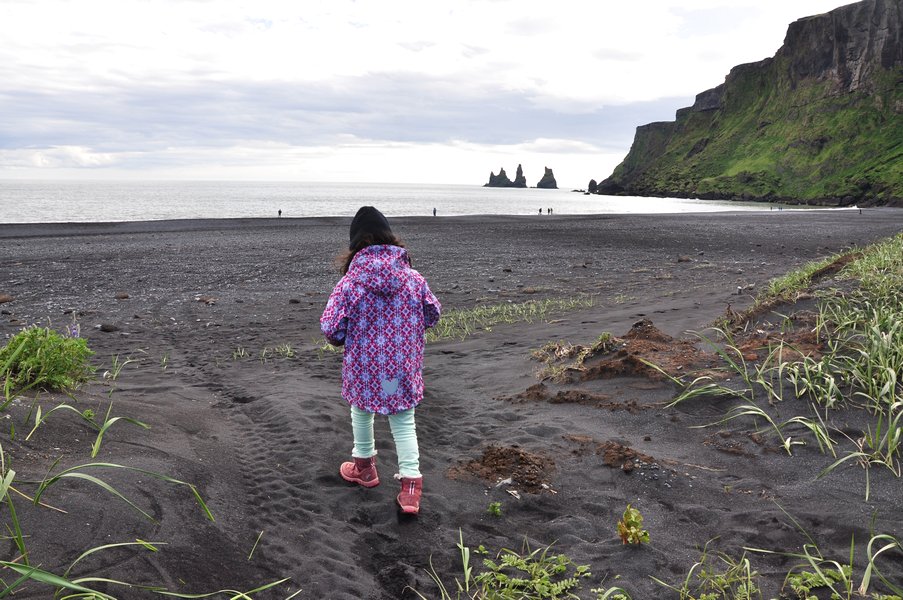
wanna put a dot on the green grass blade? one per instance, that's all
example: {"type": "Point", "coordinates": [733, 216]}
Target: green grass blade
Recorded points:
{"type": "Point", "coordinates": [237, 595]}
{"type": "Point", "coordinates": [95, 447]}
{"type": "Point", "coordinates": [96, 481]}
{"type": "Point", "coordinates": [89, 552]}
{"type": "Point", "coordinates": [50, 579]}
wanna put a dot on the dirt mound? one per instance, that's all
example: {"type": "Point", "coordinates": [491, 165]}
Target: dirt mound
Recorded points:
{"type": "Point", "coordinates": [535, 393]}
{"type": "Point", "coordinates": [614, 454]}
{"type": "Point", "coordinates": [617, 455]}
{"type": "Point", "coordinates": [646, 343]}
{"type": "Point", "coordinates": [528, 471]}
{"type": "Point", "coordinates": [645, 330]}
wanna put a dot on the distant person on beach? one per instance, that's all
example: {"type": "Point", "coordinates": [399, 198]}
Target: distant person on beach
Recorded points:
{"type": "Point", "coordinates": [379, 311]}
{"type": "Point", "coordinates": [434, 211]}
{"type": "Point", "coordinates": [280, 212]}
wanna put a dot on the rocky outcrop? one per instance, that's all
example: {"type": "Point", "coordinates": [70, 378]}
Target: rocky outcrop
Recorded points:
{"type": "Point", "coordinates": [548, 180]}
{"type": "Point", "coordinates": [519, 179]}
{"type": "Point", "coordinates": [501, 180]}
{"type": "Point", "coordinates": [820, 122]}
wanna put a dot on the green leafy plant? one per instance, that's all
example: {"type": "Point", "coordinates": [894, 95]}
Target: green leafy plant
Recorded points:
{"type": "Point", "coordinates": [525, 575]}
{"type": "Point", "coordinates": [39, 357]}
{"type": "Point", "coordinates": [531, 574]}
{"type": "Point", "coordinates": [630, 527]}
{"type": "Point", "coordinates": [495, 509]}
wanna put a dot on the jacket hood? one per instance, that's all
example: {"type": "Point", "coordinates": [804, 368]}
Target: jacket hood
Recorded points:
{"type": "Point", "coordinates": [383, 269]}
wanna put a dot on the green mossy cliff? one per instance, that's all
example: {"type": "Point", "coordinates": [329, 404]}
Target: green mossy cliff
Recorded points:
{"type": "Point", "coordinates": [821, 122]}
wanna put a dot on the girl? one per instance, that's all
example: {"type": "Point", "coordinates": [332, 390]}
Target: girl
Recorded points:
{"type": "Point", "coordinates": [379, 311]}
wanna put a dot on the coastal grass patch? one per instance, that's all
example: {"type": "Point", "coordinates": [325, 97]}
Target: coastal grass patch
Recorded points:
{"type": "Point", "coordinates": [857, 364]}
{"type": "Point", "coordinates": [458, 324]}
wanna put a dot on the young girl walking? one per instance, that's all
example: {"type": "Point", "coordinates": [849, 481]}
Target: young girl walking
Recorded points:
{"type": "Point", "coordinates": [379, 311]}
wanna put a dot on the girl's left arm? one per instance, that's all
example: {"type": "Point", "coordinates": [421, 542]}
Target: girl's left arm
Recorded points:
{"type": "Point", "coordinates": [334, 322]}
{"type": "Point", "coordinates": [431, 307]}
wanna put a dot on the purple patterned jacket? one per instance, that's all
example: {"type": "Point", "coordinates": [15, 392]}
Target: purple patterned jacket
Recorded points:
{"type": "Point", "coordinates": [379, 311]}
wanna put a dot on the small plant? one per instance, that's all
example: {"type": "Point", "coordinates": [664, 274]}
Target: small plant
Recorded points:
{"type": "Point", "coordinates": [323, 347]}
{"type": "Point", "coordinates": [39, 357]}
{"type": "Point", "coordinates": [116, 367]}
{"type": "Point", "coordinates": [612, 593]}
{"type": "Point", "coordinates": [718, 577]}
{"type": "Point", "coordinates": [804, 582]}
{"type": "Point", "coordinates": [164, 362]}
{"type": "Point", "coordinates": [630, 527]}
{"type": "Point", "coordinates": [525, 575]}
{"type": "Point", "coordinates": [284, 350]}
{"type": "Point", "coordinates": [495, 509]}
{"type": "Point", "coordinates": [239, 352]}
{"type": "Point", "coordinates": [531, 574]}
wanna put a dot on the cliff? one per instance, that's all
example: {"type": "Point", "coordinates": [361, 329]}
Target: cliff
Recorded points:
{"type": "Point", "coordinates": [820, 122]}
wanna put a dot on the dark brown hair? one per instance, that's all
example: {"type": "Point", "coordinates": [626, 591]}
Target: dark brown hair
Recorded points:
{"type": "Point", "coordinates": [387, 238]}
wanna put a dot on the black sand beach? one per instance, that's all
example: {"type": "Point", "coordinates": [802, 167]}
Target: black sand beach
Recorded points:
{"type": "Point", "coordinates": [204, 305]}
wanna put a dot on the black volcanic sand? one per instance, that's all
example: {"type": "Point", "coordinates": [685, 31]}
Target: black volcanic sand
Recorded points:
{"type": "Point", "coordinates": [262, 436]}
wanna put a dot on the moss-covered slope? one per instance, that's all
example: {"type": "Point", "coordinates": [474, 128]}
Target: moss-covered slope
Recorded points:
{"type": "Point", "coordinates": [821, 122]}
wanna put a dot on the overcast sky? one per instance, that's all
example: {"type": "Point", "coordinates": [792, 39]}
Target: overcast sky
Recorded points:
{"type": "Point", "coordinates": [374, 90]}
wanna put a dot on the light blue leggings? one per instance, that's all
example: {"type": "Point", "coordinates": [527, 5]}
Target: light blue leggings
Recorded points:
{"type": "Point", "coordinates": [404, 431]}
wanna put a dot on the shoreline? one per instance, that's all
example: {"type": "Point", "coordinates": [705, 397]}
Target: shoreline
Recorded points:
{"type": "Point", "coordinates": [67, 228]}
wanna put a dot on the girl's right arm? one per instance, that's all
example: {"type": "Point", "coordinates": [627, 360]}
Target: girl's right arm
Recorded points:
{"type": "Point", "coordinates": [334, 322]}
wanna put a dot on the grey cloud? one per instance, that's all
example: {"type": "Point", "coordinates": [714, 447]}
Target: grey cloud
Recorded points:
{"type": "Point", "coordinates": [383, 107]}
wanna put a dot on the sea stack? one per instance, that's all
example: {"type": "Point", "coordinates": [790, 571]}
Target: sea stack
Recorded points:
{"type": "Point", "coordinates": [548, 180]}
{"type": "Point", "coordinates": [501, 180]}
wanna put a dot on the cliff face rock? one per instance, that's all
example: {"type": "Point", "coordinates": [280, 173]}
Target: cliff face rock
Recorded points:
{"type": "Point", "coordinates": [548, 180]}
{"type": "Point", "coordinates": [820, 122]}
{"type": "Point", "coordinates": [501, 180]}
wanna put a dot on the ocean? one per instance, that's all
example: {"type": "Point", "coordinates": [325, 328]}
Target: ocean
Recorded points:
{"type": "Point", "coordinates": [104, 201]}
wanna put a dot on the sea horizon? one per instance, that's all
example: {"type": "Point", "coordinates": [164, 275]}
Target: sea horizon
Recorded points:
{"type": "Point", "coordinates": [90, 201]}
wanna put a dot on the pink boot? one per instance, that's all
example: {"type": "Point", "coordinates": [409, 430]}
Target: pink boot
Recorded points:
{"type": "Point", "coordinates": [362, 471]}
{"type": "Point", "coordinates": [409, 497]}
